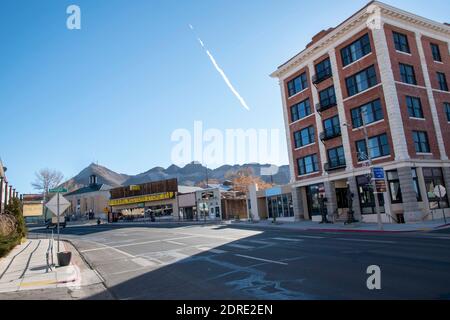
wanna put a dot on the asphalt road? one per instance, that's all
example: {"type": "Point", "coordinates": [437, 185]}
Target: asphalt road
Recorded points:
{"type": "Point", "coordinates": [230, 262]}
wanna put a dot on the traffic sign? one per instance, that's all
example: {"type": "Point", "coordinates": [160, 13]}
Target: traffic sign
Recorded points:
{"type": "Point", "coordinates": [58, 190]}
{"type": "Point", "coordinates": [378, 173]}
{"type": "Point", "coordinates": [52, 205]}
{"type": "Point", "coordinates": [440, 191]}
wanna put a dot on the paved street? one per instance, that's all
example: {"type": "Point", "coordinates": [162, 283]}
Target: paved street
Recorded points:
{"type": "Point", "coordinates": [234, 262]}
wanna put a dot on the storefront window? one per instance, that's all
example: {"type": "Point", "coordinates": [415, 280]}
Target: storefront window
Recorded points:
{"type": "Point", "coordinates": [281, 206]}
{"type": "Point", "coordinates": [433, 177]}
{"type": "Point", "coordinates": [394, 186]}
{"type": "Point", "coordinates": [366, 196]}
{"type": "Point", "coordinates": [416, 184]}
{"type": "Point", "coordinates": [312, 193]}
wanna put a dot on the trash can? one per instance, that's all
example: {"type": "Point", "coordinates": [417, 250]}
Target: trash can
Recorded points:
{"type": "Point", "coordinates": [64, 258]}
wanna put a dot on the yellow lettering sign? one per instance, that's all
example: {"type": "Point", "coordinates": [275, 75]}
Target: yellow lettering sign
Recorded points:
{"type": "Point", "coordinates": [147, 198]}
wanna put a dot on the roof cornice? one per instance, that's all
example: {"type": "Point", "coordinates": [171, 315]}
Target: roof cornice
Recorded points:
{"type": "Point", "coordinates": [355, 20]}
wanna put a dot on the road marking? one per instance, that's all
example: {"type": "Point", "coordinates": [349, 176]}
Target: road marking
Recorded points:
{"type": "Point", "coordinates": [152, 241]}
{"type": "Point", "coordinates": [130, 245]}
{"type": "Point", "coordinates": [239, 246]}
{"type": "Point", "coordinates": [143, 262]}
{"type": "Point", "coordinates": [175, 243]}
{"type": "Point", "coordinates": [365, 240]}
{"type": "Point", "coordinates": [38, 283]}
{"type": "Point", "coordinates": [260, 259]}
{"type": "Point", "coordinates": [105, 247]}
{"type": "Point", "coordinates": [310, 237]}
{"type": "Point", "coordinates": [217, 251]}
{"type": "Point", "coordinates": [288, 239]}
{"type": "Point", "coordinates": [260, 242]}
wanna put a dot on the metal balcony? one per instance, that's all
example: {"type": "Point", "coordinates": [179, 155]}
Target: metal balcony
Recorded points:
{"type": "Point", "coordinates": [334, 166]}
{"type": "Point", "coordinates": [322, 108]}
{"type": "Point", "coordinates": [322, 76]}
{"type": "Point", "coordinates": [330, 134]}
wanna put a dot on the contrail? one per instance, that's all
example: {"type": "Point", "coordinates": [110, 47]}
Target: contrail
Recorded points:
{"type": "Point", "coordinates": [221, 72]}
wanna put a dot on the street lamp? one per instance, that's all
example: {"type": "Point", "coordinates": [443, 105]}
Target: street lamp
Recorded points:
{"type": "Point", "coordinates": [368, 156]}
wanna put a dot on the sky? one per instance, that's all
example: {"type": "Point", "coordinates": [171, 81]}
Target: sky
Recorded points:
{"type": "Point", "coordinates": [114, 92]}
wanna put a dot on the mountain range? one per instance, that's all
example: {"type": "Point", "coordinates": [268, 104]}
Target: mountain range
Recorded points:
{"type": "Point", "coordinates": [190, 175]}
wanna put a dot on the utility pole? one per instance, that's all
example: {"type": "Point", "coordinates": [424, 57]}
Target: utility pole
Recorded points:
{"type": "Point", "coordinates": [372, 181]}
{"type": "Point", "coordinates": [57, 224]}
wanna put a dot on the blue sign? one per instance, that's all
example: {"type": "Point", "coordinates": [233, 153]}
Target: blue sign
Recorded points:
{"type": "Point", "coordinates": [378, 173]}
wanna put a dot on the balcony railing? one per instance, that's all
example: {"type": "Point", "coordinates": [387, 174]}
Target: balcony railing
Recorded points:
{"type": "Point", "coordinates": [322, 76]}
{"type": "Point", "coordinates": [320, 107]}
{"type": "Point", "coordinates": [336, 165]}
{"type": "Point", "coordinates": [330, 133]}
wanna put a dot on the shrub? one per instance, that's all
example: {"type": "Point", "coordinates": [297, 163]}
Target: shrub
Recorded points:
{"type": "Point", "coordinates": [8, 243]}
{"type": "Point", "coordinates": [14, 209]}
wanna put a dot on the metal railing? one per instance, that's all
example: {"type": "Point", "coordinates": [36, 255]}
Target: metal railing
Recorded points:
{"type": "Point", "coordinates": [49, 254]}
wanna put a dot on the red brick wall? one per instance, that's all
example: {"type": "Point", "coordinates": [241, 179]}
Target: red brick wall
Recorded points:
{"type": "Point", "coordinates": [363, 98]}
{"type": "Point", "coordinates": [439, 97]}
{"type": "Point", "coordinates": [303, 123]}
{"type": "Point", "coordinates": [419, 91]}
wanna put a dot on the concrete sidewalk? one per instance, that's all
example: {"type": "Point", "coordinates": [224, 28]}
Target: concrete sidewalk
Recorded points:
{"type": "Point", "coordinates": [24, 274]}
{"type": "Point", "coordinates": [341, 227]}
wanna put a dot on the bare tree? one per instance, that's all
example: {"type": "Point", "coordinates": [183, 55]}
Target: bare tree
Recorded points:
{"type": "Point", "coordinates": [47, 179]}
{"type": "Point", "coordinates": [245, 177]}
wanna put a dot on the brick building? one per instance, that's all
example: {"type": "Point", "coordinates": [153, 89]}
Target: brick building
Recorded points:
{"type": "Point", "coordinates": [385, 72]}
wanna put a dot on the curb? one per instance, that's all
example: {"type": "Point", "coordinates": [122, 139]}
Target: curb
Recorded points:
{"type": "Point", "coordinates": [344, 230]}
{"type": "Point", "coordinates": [103, 282]}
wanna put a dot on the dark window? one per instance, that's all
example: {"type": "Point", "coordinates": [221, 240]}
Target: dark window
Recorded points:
{"type": "Point", "coordinates": [433, 177]}
{"type": "Point", "coordinates": [356, 50]}
{"type": "Point", "coordinates": [336, 157]}
{"type": "Point", "coordinates": [447, 110]}
{"type": "Point", "coordinates": [361, 81]}
{"type": "Point", "coordinates": [300, 110]}
{"type": "Point", "coordinates": [323, 70]}
{"type": "Point", "coordinates": [298, 84]}
{"type": "Point", "coordinates": [304, 137]}
{"type": "Point", "coordinates": [332, 127]}
{"type": "Point", "coordinates": [327, 98]}
{"type": "Point", "coordinates": [378, 147]}
{"type": "Point", "coordinates": [371, 112]}
{"type": "Point", "coordinates": [407, 74]}
{"type": "Point", "coordinates": [366, 196]}
{"type": "Point", "coordinates": [414, 107]}
{"type": "Point", "coordinates": [312, 196]}
{"type": "Point", "coordinates": [442, 81]}
{"type": "Point", "coordinates": [436, 52]}
{"type": "Point", "coordinates": [416, 184]}
{"type": "Point", "coordinates": [421, 142]}
{"type": "Point", "coordinates": [401, 42]}
{"type": "Point", "coordinates": [394, 186]}
{"type": "Point", "coordinates": [308, 164]}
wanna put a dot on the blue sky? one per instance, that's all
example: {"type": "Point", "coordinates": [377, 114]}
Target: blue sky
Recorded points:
{"type": "Point", "coordinates": [114, 91]}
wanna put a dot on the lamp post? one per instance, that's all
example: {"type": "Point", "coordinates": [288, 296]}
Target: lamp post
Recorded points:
{"type": "Point", "coordinates": [370, 162]}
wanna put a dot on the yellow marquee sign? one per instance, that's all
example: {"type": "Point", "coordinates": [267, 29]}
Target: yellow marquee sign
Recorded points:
{"type": "Point", "coordinates": [147, 198]}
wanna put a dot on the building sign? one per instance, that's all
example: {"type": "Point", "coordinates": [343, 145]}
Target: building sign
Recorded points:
{"type": "Point", "coordinates": [380, 186]}
{"type": "Point", "coordinates": [140, 199]}
{"type": "Point", "coordinates": [378, 173]}
{"type": "Point", "coordinates": [33, 209]}
{"type": "Point", "coordinates": [135, 188]}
